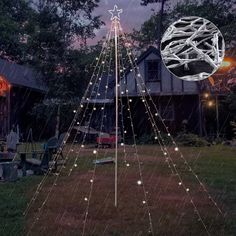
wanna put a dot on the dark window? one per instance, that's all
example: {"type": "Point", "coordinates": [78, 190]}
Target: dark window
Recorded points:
{"type": "Point", "coordinates": [152, 70]}
{"type": "Point", "coordinates": [168, 112]}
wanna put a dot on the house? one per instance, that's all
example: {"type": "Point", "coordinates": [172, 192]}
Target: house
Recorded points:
{"type": "Point", "coordinates": [20, 88]}
{"type": "Point", "coordinates": [177, 101]}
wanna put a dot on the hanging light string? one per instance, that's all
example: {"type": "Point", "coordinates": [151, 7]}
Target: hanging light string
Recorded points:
{"type": "Point", "coordinates": [130, 117]}
{"type": "Point", "coordinates": [128, 99]}
{"type": "Point", "coordinates": [124, 151]}
{"type": "Point", "coordinates": [166, 153]}
{"type": "Point", "coordinates": [143, 93]}
{"type": "Point", "coordinates": [51, 112]}
{"type": "Point", "coordinates": [138, 75]}
{"type": "Point", "coordinates": [39, 187]}
{"type": "Point", "coordinates": [141, 180]}
{"type": "Point", "coordinates": [90, 194]}
{"type": "Point", "coordinates": [125, 64]}
{"type": "Point", "coordinates": [157, 132]}
{"type": "Point", "coordinates": [58, 153]}
{"type": "Point", "coordinates": [87, 199]}
{"type": "Point", "coordinates": [95, 165]}
{"type": "Point", "coordinates": [99, 76]}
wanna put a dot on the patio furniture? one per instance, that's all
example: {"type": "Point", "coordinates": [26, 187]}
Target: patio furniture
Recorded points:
{"type": "Point", "coordinates": [41, 161]}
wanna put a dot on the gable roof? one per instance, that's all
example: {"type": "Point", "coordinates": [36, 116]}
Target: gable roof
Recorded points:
{"type": "Point", "coordinates": [19, 75]}
{"type": "Point", "coordinates": [145, 54]}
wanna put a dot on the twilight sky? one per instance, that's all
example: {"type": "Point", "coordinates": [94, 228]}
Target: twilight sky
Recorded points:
{"type": "Point", "coordinates": [132, 17]}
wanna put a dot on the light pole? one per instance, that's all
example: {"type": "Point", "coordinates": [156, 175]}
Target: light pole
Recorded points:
{"type": "Point", "coordinates": [116, 26]}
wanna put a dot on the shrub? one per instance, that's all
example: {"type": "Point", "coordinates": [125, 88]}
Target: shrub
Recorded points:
{"type": "Point", "coordinates": [189, 139]}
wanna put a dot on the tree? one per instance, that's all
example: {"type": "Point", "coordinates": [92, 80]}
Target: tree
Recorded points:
{"type": "Point", "coordinates": [41, 33]}
{"type": "Point", "coordinates": [220, 12]}
{"type": "Point", "coordinates": [158, 28]}
{"type": "Point", "coordinates": [14, 28]}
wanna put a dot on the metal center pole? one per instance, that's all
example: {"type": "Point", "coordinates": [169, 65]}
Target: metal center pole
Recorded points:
{"type": "Point", "coordinates": [117, 109]}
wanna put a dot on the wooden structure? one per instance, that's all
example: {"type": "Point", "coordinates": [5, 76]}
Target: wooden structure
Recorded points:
{"type": "Point", "coordinates": [20, 88]}
{"type": "Point", "coordinates": [177, 101]}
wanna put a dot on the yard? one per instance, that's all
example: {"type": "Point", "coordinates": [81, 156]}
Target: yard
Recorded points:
{"type": "Point", "coordinates": [170, 207]}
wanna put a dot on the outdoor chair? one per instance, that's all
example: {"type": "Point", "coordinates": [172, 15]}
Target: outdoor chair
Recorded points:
{"type": "Point", "coordinates": [41, 161]}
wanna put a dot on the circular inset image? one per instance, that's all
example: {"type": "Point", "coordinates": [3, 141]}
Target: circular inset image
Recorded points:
{"type": "Point", "coordinates": [192, 48]}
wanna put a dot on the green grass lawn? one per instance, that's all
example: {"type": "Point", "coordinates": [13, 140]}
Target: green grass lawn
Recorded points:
{"type": "Point", "coordinates": [13, 201]}
{"type": "Point", "coordinates": [215, 166]}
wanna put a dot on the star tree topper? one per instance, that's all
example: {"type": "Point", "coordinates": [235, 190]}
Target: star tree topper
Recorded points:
{"type": "Point", "coordinates": [115, 13]}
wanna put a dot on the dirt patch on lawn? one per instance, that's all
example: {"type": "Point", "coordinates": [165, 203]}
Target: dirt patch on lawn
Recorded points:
{"type": "Point", "coordinates": [75, 206]}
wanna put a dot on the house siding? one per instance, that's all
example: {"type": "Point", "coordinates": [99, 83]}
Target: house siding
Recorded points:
{"type": "Point", "coordinates": [182, 95]}
{"type": "Point", "coordinates": [168, 85]}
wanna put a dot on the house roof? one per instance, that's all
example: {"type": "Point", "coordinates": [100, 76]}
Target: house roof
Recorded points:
{"type": "Point", "coordinates": [150, 50]}
{"type": "Point", "coordinates": [19, 75]}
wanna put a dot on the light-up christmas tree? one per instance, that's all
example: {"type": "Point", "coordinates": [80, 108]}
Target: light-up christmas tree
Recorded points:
{"type": "Point", "coordinates": [111, 66]}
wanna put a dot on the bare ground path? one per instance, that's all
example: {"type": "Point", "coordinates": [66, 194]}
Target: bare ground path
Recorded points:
{"type": "Point", "coordinates": [170, 208]}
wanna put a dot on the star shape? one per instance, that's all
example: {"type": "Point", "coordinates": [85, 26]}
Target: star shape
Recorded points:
{"type": "Point", "coordinates": [115, 13]}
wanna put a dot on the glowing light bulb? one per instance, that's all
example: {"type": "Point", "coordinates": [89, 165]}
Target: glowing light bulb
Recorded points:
{"type": "Point", "coordinates": [127, 164]}
{"type": "Point", "coordinates": [75, 165]}
{"type": "Point", "coordinates": [122, 144]}
{"type": "Point", "coordinates": [74, 111]}
{"type": "Point", "coordinates": [187, 189]}
{"type": "Point", "coordinates": [144, 202]}
{"type": "Point", "coordinates": [180, 183]}
{"type": "Point", "coordinates": [86, 199]}
{"type": "Point", "coordinates": [139, 182]}
{"type": "Point", "coordinates": [94, 151]}
{"type": "Point", "coordinates": [176, 149]}
{"type": "Point", "coordinates": [91, 180]}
